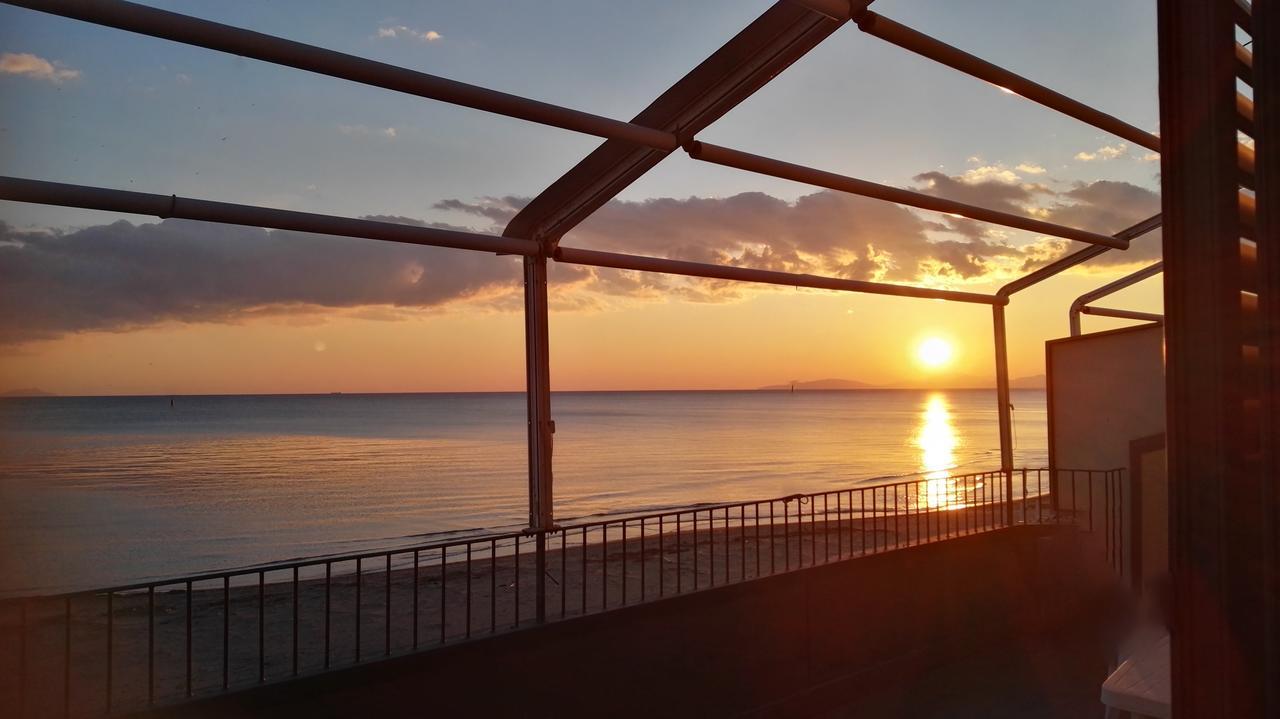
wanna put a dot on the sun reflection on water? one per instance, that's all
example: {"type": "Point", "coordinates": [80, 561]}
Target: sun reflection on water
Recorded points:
{"type": "Point", "coordinates": [937, 440]}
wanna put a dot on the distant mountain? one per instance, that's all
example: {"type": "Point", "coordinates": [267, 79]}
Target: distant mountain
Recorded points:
{"type": "Point", "coordinates": [821, 384]}
{"type": "Point", "coordinates": [27, 392]}
{"type": "Point", "coordinates": [1035, 381]}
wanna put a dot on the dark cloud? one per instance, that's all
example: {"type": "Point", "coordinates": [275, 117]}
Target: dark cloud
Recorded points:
{"type": "Point", "coordinates": [993, 194]}
{"type": "Point", "coordinates": [1104, 206]}
{"type": "Point", "coordinates": [122, 276]}
{"type": "Point", "coordinates": [816, 233]}
{"type": "Point", "coordinates": [1107, 207]}
{"type": "Point", "coordinates": [496, 209]}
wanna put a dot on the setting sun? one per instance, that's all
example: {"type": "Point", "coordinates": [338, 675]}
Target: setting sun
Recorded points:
{"type": "Point", "coordinates": [934, 352]}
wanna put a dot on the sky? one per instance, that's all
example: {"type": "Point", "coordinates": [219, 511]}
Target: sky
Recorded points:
{"type": "Point", "coordinates": [99, 303]}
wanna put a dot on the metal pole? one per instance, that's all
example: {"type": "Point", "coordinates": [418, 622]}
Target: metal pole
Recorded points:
{"type": "Point", "coordinates": [596, 258]}
{"type": "Point", "coordinates": [1122, 314]}
{"type": "Point", "coordinates": [1078, 306]}
{"type": "Point", "coordinates": [1073, 317]}
{"type": "Point", "coordinates": [955, 58]}
{"type": "Point", "coordinates": [743, 65]}
{"type": "Point", "coordinates": [173, 26]}
{"type": "Point", "coordinates": [833, 9]}
{"type": "Point", "coordinates": [1066, 262]}
{"type": "Point", "coordinates": [166, 206]}
{"type": "Point", "coordinates": [540, 425]}
{"type": "Point", "coordinates": [938, 51]}
{"type": "Point", "coordinates": [1003, 407]}
{"type": "Point", "coordinates": [729, 157]}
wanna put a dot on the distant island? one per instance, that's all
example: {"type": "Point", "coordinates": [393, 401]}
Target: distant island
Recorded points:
{"type": "Point", "coordinates": [27, 392]}
{"type": "Point", "coordinates": [1031, 382]}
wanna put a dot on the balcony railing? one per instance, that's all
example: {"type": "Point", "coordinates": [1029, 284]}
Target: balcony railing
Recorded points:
{"type": "Point", "coordinates": [146, 644]}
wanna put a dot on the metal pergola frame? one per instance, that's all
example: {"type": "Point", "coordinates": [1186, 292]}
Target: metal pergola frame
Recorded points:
{"type": "Point", "coordinates": [1082, 305]}
{"type": "Point", "coordinates": [780, 36]}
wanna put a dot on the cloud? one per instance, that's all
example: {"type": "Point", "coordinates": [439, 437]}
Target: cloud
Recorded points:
{"type": "Point", "coordinates": [123, 276]}
{"type": "Point", "coordinates": [365, 131]}
{"type": "Point", "coordinates": [1030, 169]}
{"type": "Point", "coordinates": [990, 173]}
{"type": "Point", "coordinates": [995, 188]}
{"type": "Point", "coordinates": [35, 67]}
{"type": "Point", "coordinates": [1106, 152]}
{"type": "Point", "coordinates": [498, 210]}
{"type": "Point", "coordinates": [395, 31]}
{"type": "Point", "coordinates": [1111, 152]}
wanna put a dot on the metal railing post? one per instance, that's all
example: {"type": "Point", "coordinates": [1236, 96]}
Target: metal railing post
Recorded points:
{"type": "Point", "coordinates": [1003, 408]}
{"type": "Point", "coordinates": [541, 427]}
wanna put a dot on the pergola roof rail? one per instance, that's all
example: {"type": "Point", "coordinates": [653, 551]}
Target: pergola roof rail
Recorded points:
{"type": "Point", "coordinates": [166, 206]}
{"type": "Point", "coordinates": [189, 30]}
{"type": "Point", "coordinates": [1121, 314]}
{"type": "Point", "coordinates": [834, 9]}
{"type": "Point", "coordinates": [597, 258]}
{"type": "Point", "coordinates": [1075, 258]}
{"type": "Point", "coordinates": [898, 34]}
{"type": "Point", "coordinates": [728, 157]}
{"type": "Point", "coordinates": [1110, 288]}
{"type": "Point", "coordinates": [907, 38]}
{"type": "Point", "coordinates": [772, 42]}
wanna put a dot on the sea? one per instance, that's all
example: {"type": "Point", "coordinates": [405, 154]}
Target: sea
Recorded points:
{"type": "Point", "coordinates": [101, 491]}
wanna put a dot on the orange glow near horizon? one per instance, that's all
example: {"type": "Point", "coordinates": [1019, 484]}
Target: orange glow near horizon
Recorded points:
{"type": "Point", "coordinates": [633, 345]}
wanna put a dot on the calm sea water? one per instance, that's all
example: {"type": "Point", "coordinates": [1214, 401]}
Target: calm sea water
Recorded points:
{"type": "Point", "coordinates": [105, 490]}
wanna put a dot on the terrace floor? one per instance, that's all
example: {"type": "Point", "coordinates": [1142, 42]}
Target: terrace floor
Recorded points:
{"type": "Point", "coordinates": [1057, 676]}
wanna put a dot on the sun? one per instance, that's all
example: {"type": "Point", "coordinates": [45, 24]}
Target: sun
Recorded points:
{"type": "Point", "coordinates": [934, 352]}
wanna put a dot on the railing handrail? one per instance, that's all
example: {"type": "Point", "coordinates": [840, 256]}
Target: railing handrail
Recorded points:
{"type": "Point", "coordinates": [383, 603]}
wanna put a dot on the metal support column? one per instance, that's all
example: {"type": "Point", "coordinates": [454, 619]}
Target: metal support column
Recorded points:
{"type": "Point", "coordinates": [1004, 408]}
{"type": "Point", "coordinates": [541, 427]}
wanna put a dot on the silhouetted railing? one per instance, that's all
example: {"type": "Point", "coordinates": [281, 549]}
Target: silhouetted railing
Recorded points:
{"type": "Point", "coordinates": [128, 647]}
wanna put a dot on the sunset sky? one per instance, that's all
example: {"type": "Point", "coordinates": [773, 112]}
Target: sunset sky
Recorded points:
{"type": "Point", "coordinates": [96, 303]}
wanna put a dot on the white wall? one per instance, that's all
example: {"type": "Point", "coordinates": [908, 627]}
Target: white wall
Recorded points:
{"type": "Point", "coordinates": [1106, 390]}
